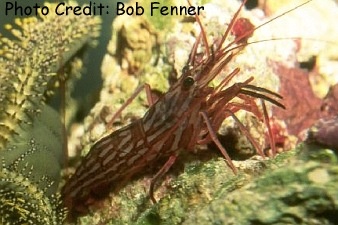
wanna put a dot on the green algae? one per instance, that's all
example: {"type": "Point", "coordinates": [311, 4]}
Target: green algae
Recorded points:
{"type": "Point", "coordinates": [283, 195]}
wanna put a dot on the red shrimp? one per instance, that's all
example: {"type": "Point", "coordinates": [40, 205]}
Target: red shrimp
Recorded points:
{"type": "Point", "coordinates": [188, 114]}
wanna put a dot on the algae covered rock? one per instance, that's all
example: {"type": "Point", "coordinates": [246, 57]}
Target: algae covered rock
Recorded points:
{"type": "Point", "coordinates": [302, 190]}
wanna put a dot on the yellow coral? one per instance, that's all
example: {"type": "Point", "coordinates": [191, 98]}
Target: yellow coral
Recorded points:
{"type": "Point", "coordinates": [42, 47]}
{"type": "Point", "coordinates": [30, 141]}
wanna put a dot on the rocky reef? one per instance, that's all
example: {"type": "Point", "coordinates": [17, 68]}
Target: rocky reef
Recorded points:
{"type": "Point", "coordinates": [200, 189]}
{"type": "Point", "coordinates": [295, 187]}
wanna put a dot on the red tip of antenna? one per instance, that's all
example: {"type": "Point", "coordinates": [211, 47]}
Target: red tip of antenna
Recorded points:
{"type": "Point", "coordinates": [242, 29]}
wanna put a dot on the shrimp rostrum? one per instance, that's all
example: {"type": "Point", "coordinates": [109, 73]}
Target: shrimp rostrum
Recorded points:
{"type": "Point", "coordinates": [188, 114]}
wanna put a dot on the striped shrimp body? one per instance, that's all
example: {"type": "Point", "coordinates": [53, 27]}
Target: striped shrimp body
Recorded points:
{"type": "Point", "coordinates": [189, 114]}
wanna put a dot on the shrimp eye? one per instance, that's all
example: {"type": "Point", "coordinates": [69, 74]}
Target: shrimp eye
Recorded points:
{"type": "Point", "coordinates": [188, 82]}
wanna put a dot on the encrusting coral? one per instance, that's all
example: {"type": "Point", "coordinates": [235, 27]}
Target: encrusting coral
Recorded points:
{"type": "Point", "coordinates": [31, 151]}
